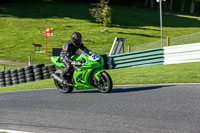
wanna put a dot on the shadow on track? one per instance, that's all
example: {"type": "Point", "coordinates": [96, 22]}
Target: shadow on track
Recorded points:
{"type": "Point", "coordinates": [128, 89]}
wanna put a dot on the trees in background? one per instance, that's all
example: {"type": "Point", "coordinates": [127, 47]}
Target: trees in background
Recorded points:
{"type": "Point", "coordinates": [187, 6]}
{"type": "Point", "coordinates": [193, 5]}
{"type": "Point", "coordinates": [176, 5]}
{"type": "Point", "coordinates": [102, 13]}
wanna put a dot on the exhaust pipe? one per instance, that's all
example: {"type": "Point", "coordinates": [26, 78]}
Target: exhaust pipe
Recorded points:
{"type": "Point", "coordinates": [60, 80]}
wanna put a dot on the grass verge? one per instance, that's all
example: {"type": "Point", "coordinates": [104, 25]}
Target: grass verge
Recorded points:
{"type": "Point", "coordinates": [30, 86]}
{"type": "Point", "coordinates": [8, 67]}
{"type": "Point", "coordinates": [176, 73]}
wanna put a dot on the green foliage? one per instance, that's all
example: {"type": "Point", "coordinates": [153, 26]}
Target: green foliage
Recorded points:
{"type": "Point", "coordinates": [106, 16]}
{"type": "Point", "coordinates": [96, 12]}
{"type": "Point", "coordinates": [102, 13]}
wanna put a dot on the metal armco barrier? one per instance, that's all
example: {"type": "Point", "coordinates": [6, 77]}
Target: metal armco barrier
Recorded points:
{"type": "Point", "coordinates": [166, 55]}
{"type": "Point", "coordinates": [135, 59]}
{"type": "Point", "coordinates": [182, 53]}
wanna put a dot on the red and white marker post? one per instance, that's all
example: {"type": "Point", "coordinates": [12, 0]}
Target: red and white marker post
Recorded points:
{"type": "Point", "coordinates": [46, 34]}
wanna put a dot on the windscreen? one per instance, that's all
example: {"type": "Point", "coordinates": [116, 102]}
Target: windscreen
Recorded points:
{"type": "Point", "coordinates": [87, 51]}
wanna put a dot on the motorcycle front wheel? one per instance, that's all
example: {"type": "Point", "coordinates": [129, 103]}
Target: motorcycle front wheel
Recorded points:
{"type": "Point", "coordinates": [105, 84]}
{"type": "Point", "coordinates": [62, 88]}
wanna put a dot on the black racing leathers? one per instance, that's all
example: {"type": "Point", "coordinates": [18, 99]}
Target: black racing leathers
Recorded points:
{"type": "Point", "coordinates": [69, 50]}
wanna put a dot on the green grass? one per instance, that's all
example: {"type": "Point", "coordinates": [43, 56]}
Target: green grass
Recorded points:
{"type": "Point", "coordinates": [30, 86]}
{"type": "Point", "coordinates": [177, 73]}
{"type": "Point", "coordinates": [8, 67]}
{"type": "Point", "coordinates": [20, 23]}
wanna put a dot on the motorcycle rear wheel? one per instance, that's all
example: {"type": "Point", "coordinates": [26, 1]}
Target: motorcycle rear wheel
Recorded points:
{"type": "Point", "coordinates": [62, 88]}
{"type": "Point", "coordinates": [105, 85]}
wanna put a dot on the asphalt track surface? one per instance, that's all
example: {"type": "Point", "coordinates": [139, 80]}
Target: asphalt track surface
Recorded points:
{"type": "Point", "coordinates": [169, 108]}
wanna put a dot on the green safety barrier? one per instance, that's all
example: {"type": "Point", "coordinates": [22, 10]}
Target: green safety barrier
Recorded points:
{"type": "Point", "coordinates": [135, 59]}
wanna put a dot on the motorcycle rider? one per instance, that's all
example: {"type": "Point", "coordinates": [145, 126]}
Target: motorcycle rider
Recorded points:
{"type": "Point", "coordinates": [69, 49]}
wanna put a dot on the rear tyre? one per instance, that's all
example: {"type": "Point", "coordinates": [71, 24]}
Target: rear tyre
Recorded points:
{"type": "Point", "coordinates": [105, 85]}
{"type": "Point", "coordinates": [62, 88]}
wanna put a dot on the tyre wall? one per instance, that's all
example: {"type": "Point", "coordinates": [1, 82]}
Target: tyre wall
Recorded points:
{"type": "Point", "coordinates": [26, 74]}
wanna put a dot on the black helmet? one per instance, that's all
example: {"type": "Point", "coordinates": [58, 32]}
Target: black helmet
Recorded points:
{"type": "Point", "coordinates": [76, 39]}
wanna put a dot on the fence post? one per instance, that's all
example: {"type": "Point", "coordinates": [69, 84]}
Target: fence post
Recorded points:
{"type": "Point", "coordinates": [4, 68]}
{"type": "Point", "coordinates": [129, 49]}
{"type": "Point", "coordinates": [29, 60]}
{"type": "Point", "coordinates": [168, 41]}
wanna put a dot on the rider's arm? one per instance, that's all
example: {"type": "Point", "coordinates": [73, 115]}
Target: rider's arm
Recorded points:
{"type": "Point", "coordinates": [82, 47]}
{"type": "Point", "coordinates": [64, 55]}
{"type": "Point", "coordinates": [67, 58]}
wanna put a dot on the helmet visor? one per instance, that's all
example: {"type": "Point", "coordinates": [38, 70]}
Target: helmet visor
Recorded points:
{"type": "Point", "coordinates": [77, 42]}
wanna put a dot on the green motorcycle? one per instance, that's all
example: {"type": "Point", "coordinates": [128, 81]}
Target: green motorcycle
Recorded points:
{"type": "Point", "coordinates": [89, 75]}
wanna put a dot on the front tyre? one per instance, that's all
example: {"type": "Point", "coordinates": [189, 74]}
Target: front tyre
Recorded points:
{"type": "Point", "coordinates": [105, 85]}
{"type": "Point", "coordinates": [63, 88]}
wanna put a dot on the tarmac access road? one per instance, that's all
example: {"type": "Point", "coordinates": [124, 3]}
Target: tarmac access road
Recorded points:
{"type": "Point", "coordinates": [167, 108]}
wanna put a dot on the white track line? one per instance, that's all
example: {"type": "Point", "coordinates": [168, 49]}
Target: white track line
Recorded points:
{"type": "Point", "coordinates": [28, 90]}
{"type": "Point", "coordinates": [13, 131]}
